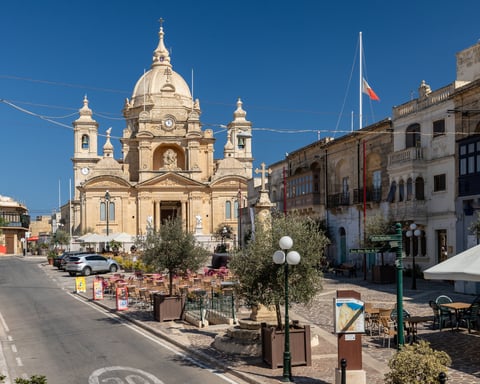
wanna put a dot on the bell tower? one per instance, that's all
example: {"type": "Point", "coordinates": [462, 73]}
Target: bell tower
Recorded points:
{"type": "Point", "coordinates": [85, 156]}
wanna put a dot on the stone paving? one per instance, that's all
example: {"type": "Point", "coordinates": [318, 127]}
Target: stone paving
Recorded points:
{"type": "Point", "coordinates": [463, 348]}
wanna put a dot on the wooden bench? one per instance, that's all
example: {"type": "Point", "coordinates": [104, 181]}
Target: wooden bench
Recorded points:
{"type": "Point", "coordinates": [346, 268]}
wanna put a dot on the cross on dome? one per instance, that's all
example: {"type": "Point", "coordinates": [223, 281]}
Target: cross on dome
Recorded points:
{"type": "Point", "coordinates": [161, 56]}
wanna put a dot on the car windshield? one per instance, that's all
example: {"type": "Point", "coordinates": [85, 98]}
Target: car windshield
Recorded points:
{"type": "Point", "coordinates": [73, 258]}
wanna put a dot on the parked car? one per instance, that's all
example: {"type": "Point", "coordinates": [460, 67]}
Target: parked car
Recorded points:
{"type": "Point", "coordinates": [61, 261]}
{"type": "Point", "coordinates": [90, 263]}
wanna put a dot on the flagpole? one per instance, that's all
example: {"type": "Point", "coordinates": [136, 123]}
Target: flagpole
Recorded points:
{"type": "Point", "coordinates": [360, 84]}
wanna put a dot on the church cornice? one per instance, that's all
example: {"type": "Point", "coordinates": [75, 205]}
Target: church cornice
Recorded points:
{"type": "Point", "coordinates": [234, 180]}
{"type": "Point", "coordinates": [105, 180]}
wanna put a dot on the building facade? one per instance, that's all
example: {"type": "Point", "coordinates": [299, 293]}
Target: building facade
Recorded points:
{"type": "Point", "coordinates": [422, 175]}
{"type": "Point", "coordinates": [341, 182]}
{"type": "Point", "coordinates": [167, 168]}
{"type": "Point", "coordinates": [14, 226]}
{"type": "Point", "coordinates": [467, 134]}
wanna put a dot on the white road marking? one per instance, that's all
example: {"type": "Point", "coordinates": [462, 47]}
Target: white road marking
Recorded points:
{"type": "Point", "coordinates": [3, 361]}
{"type": "Point", "coordinates": [4, 324]}
{"type": "Point", "coordinates": [14, 348]}
{"type": "Point", "coordinates": [108, 374]}
{"type": "Point", "coordinates": [19, 361]}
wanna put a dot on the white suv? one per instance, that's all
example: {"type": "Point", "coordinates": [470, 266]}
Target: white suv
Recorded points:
{"type": "Point", "coordinates": [88, 264]}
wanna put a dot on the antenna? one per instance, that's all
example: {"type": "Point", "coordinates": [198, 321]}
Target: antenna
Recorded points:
{"type": "Point", "coordinates": [144, 90]}
{"type": "Point", "coordinates": [193, 99]}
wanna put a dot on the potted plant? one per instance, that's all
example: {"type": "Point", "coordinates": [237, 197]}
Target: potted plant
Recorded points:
{"type": "Point", "coordinates": [114, 246]}
{"type": "Point", "coordinates": [175, 251]}
{"type": "Point", "coordinates": [60, 238]}
{"type": "Point", "coordinates": [261, 281]}
{"type": "Point", "coordinates": [51, 255]}
{"type": "Point", "coordinates": [43, 248]}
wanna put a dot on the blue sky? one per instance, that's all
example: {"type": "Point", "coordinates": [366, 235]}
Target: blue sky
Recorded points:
{"type": "Point", "coordinates": [293, 63]}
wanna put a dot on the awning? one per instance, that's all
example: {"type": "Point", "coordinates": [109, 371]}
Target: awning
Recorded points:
{"type": "Point", "coordinates": [464, 266]}
{"type": "Point", "coordinates": [33, 238]}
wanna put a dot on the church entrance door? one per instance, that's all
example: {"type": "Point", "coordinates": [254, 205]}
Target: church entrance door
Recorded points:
{"type": "Point", "coordinates": [169, 210]}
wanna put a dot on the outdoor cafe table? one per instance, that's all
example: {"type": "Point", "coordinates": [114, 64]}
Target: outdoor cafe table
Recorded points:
{"type": "Point", "coordinates": [412, 325]}
{"type": "Point", "coordinates": [458, 307]}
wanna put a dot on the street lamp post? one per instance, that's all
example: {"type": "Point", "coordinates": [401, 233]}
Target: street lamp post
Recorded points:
{"type": "Point", "coordinates": [239, 196]}
{"type": "Point", "coordinates": [413, 233]}
{"type": "Point", "coordinates": [293, 258]}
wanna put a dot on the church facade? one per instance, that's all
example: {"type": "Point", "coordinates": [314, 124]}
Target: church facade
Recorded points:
{"type": "Point", "coordinates": [167, 167]}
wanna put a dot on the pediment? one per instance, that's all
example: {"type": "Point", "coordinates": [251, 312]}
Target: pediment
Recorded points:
{"type": "Point", "coordinates": [170, 180]}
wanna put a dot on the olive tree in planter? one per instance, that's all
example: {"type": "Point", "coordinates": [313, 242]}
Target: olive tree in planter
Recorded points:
{"type": "Point", "coordinates": [261, 281]}
{"type": "Point", "coordinates": [175, 251]}
{"type": "Point", "coordinates": [60, 238]}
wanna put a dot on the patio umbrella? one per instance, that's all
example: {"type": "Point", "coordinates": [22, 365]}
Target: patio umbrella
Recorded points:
{"type": "Point", "coordinates": [83, 237]}
{"type": "Point", "coordinates": [93, 238]}
{"type": "Point", "coordinates": [122, 237]}
{"type": "Point", "coordinates": [464, 266]}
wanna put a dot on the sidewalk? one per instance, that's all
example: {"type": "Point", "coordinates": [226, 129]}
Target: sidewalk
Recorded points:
{"type": "Point", "coordinates": [463, 348]}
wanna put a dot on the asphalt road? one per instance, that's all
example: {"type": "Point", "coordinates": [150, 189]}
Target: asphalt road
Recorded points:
{"type": "Point", "coordinates": [45, 330]}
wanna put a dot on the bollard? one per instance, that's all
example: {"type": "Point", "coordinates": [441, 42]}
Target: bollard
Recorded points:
{"type": "Point", "coordinates": [442, 378]}
{"type": "Point", "coordinates": [343, 366]}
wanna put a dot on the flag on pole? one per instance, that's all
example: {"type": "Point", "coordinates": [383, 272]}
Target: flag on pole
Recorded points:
{"type": "Point", "coordinates": [369, 91]}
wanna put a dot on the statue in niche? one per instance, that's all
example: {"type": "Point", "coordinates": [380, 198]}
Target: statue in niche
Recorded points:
{"type": "Point", "coordinates": [170, 159]}
{"type": "Point", "coordinates": [199, 221]}
{"type": "Point", "coordinates": [149, 223]}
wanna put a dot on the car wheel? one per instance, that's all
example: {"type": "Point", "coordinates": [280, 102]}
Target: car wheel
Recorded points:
{"type": "Point", "coordinates": [87, 271]}
{"type": "Point", "coordinates": [113, 268]}
{"type": "Point", "coordinates": [72, 273]}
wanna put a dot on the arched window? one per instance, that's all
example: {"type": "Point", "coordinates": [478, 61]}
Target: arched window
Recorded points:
{"type": "Point", "coordinates": [85, 142]}
{"type": "Point", "coordinates": [111, 211]}
{"type": "Point", "coordinates": [419, 189]}
{"type": "Point", "coordinates": [401, 191]}
{"type": "Point", "coordinates": [103, 211]}
{"type": "Point", "coordinates": [412, 138]}
{"type": "Point", "coordinates": [409, 189]}
{"type": "Point", "coordinates": [228, 210]}
{"type": "Point", "coordinates": [391, 193]}
{"type": "Point", "coordinates": [235, 209]}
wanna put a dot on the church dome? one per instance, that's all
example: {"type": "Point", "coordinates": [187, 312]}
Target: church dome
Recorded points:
{"type": "Point", "coordinates": [161, 80]}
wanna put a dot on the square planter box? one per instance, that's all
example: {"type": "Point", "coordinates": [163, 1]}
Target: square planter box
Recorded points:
{"type": "Point", "coordinates": [167, 308]}
{"type": "Point", "coordinates": [273, 345]}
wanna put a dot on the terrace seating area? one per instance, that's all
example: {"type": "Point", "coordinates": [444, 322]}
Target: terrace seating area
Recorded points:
{"type": "Point", "coordinates": [459, 317]}
{"type": "Point", "coordinates": [211, 290]}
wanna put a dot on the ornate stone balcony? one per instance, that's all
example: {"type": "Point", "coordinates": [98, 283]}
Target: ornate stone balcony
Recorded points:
{"type": "Point", "coordinates": [405, 155]}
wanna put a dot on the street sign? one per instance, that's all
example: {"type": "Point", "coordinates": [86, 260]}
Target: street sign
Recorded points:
{"type": "Point", "coordinates": [365, 250]}
{"type": "Point", "coordinates": [383, 238]}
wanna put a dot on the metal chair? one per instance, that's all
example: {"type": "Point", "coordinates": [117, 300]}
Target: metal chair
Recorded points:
{"type": "Point", "coordinates": [470, 316]}
{"type": "Point", "coordinates": [443, 299]}
{"type": "Point", "coordinates": [444, 314]}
